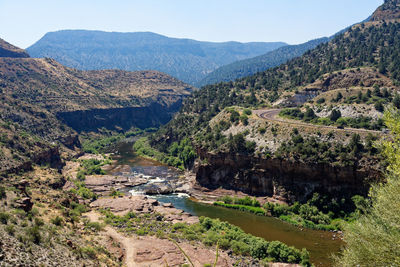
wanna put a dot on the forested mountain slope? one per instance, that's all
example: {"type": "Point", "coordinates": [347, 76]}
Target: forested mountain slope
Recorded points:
{"type": "Point", "coordinates": [247, 67]}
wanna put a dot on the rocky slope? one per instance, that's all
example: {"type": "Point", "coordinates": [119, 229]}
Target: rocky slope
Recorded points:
{"type": "Point", "coordinates": [186, 59]}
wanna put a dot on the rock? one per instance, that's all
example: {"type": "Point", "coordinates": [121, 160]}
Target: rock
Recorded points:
{"type": "Point", "coordinates": [184, 188]}
{"type": "Point", "coordinates": [126, 204]}
{"type": "Point", "coordinates": [167, 205]}
{"type": "Point", "coordinates": [104, 184]}
{"type": "Point", "coordinates": [158, 188]}
{"type": "Point", "coordinates": [167, 253]}
{"type": "Point", "coordinates": [58, 183]}
{"type": "Point", "coordinates": [24, 203]}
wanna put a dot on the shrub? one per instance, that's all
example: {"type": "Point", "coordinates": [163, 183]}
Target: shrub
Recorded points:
{"type": "Point", "coordinates": [4, 217]}
{"type": "Point", "coordinates": [335, 115]}
{"type": "Point", "coordinates": [226, 199]}
{"type": "Point", "coordinates": [80, 175]}
{"type": "Point", "coordinates": [93, 226]}
{"type": "Point", "coordinates": [89, 251]}
{"type": "Point", "coordinates": [234, 116]}
{"type": "Point", "coordinates": [10, 229]}
{"type": "Point", "coordinates": [59, 221]}
{"type": "Point", "coordinates": [34, 234]}
{"type": "Point", "coordinates": [2, 192]}
{"type": "Point", "coordinates": [247, 111]}
{"type": "Point", "coordinates": [379, 106]}
{"type": "Point", "coordinates": [244, 119]}
{"type": "Point", "coordinates": [39, 222]}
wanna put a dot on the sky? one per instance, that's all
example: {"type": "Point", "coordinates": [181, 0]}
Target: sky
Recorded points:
{"type": "Point", "coordinates": [23, 22]}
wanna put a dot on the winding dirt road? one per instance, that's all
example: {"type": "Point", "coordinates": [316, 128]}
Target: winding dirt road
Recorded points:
{"type": "Point", "coordinates": [272, 115]}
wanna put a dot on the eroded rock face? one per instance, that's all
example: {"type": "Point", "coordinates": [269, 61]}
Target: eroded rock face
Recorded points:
{"type": "Point", "coordinates": [284, 180]}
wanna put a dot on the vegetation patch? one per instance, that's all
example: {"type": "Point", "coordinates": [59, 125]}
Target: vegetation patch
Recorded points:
{"type": "Point", "coordinates": [334, 119]}
{"type": "Point", "coordinates": [320, 212]}
{"type": "Point", "coordinates": [312, 150]}
{"type": "Point", "coordinates": [210, 232]}
{"type": "Point", "coordinates": [179, 155]}
{"type": "Point", "coordinates": [100, 145]}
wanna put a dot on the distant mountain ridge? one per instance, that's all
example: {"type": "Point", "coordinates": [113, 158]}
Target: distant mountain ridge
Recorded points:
{"type": "Point", "coordinates": [185, 59]}
{"type": "Point", "coordinates": [247, 67]}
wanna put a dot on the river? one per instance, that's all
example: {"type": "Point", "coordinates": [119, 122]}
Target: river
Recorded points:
{"type": "Point", "coordinates": [320, 244]}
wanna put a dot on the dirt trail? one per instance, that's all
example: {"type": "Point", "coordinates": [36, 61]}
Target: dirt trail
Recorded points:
{"type": "Point", "coordinates": [126, 243]}
{"type": "Point", "coordinates": [272, 115]}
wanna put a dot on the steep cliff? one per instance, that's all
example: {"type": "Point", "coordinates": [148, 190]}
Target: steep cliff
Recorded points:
{"type": "Point", "coordinates": [280, 178]}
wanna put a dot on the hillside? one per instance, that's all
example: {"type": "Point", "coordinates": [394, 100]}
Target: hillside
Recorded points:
{"type": "Point", "coordinates": [336, 87]}
{"type": "Point", "coordinates": [185, 59]}
{"type": "Point", "coordinates": [41, 94]}
{"type": "Point", "coordinates": [247, 67]}
{"type": "Point", "coordinates": [8, 50]}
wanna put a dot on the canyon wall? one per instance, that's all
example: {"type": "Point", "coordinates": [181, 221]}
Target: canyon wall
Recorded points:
{"type": "Point", "coordinates": [282, 179]}
{"type": "Point", "coordinates": [119, 119]}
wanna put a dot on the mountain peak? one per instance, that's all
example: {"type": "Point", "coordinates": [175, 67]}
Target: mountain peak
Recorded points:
{"type": "Point", "coordinates": [389, 10]}
{"type": "Point", "coordinates": [8, 50]}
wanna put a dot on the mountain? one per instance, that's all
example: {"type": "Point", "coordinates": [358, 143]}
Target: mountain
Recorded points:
{"type": "Point", "coordinates": [247, 67]}
{"type": "Point", "coordinates": [186, 59]}
{"type": "Point", "coordinates": [8, 50]}
{"type": "Point", "coordinates": [43, 103]}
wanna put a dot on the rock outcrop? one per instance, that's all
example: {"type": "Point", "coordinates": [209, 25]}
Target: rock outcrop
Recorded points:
{"type": "Point", "coordinates": [282, 179]}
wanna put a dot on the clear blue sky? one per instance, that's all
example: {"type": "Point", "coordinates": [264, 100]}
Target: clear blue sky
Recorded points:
{"type": "Point", "coordinates": [23, 22]}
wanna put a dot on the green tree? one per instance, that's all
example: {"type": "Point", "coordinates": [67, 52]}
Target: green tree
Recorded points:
{"type": "Point", "coordinates": [335, 115]}
{"type": "Point", "coordinates": [339, 96]}
{"type": "Point", "coordinates": [379, 106]}
{"type": "Point", "coordinates": [309, 114]}
{"type": "Point", "coordinates": [396, 101]}
{"type": "Point", "coordinates": [374, 238]}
